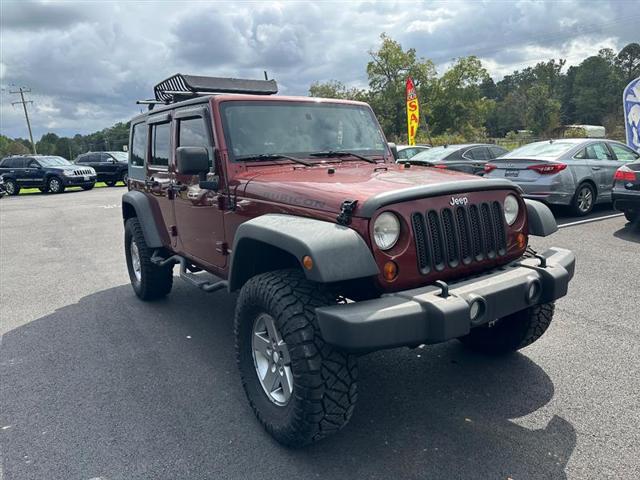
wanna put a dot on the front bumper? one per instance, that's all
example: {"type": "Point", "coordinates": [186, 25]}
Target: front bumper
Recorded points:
{"type": "Point", "coordinates": [424, 315]}
{"type": "Point", "coordinates": [79, 181]}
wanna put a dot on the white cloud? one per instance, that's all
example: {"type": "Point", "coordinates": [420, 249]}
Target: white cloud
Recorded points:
{"type": "Point", "coordinates": [87, 62]}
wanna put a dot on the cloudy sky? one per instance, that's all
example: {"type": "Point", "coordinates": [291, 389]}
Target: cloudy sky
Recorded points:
{"type": "Point", "coordinates": [87, 62]}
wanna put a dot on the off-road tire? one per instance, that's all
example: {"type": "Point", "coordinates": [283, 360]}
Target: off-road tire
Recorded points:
{"type": "Point", "coordinates": [54, 187]}
{"type": "Point", "coordinates": [324, 390]}
{"type": "Point", "coordinates": [575, 207]}
{"type": "Point", "coordinates": [155, 282]}
{"type": "Point", "coordinates": [88, 187]}
{"type": "Point", "coordinates": [11, 187]}
{"type": "Point", "coordinates": [512, 332]}
{"type": "Point", "coordinates": [632, 215]}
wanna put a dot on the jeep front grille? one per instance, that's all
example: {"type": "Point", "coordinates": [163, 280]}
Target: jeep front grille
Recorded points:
{"type": "Point", "coordinates": [464, 234]}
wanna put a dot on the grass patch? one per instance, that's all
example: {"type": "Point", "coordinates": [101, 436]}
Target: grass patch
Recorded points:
{"type": "Point", "coordinates": [30, 191]}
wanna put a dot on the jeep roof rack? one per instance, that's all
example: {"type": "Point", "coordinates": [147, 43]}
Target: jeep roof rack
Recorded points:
{"type": "Point", "coordinates": [180, 87]}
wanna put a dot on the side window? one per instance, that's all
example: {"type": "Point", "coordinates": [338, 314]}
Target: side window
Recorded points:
{"type": "Point", "coordinates": [160, 140]}
{"type": "Point", "coordinates": [496, 151]}
{"type": "Point", "coordinates": [33, 164]}
{"type": "Point", "coordinates": [582, 154]}
{"type": "Point", "coordinates": [138, 145]}
{"type": "Point", "coordinates": [479, 153]}
{"type": "Point", "coordinates": [104, 157]}
{"type": "Point", "coordinates": [192, 133]}
{"type": "Point", "coordinates": [624, 154]}
{"type": "Point", "coordinates": [598, 151]}
{"type": "Point", "coordinates": [19, 163]}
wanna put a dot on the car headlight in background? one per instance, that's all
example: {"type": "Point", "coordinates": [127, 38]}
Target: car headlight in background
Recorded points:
{"type": "Point", "coordinates": [386, 230]}
{"type": "Point", "coordinates": [511, 209]}
{"type": "Point", "coordinates": [68, 173]}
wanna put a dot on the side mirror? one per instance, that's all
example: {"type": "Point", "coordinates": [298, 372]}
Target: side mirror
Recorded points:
{"type": "Point", "coordinates": [192, 160]}
{"type": "Point", "coordinates": [394, 150]}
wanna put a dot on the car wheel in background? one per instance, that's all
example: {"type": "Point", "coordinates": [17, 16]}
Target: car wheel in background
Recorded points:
{"type": "Point", "coordinates": [632, 215]}
{"type": "Point", "coordinates": [88, 187]}
{"type": "Point", "coordinates": [43, 189]}
{"type": "Point", "coordinates": [110, 183]}
{"type": "Point", "coordinates": [125, 178]}
{"type": "Point", "coordinates": [55, 185]}
{"type": "Point", "coordinates": [11, 187]}
{"type": "Point", "coordinates": [584, 199]}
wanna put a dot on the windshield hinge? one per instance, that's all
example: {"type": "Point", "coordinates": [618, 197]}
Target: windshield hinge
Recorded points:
{"type": "Point", "coordinates": [346, 210]}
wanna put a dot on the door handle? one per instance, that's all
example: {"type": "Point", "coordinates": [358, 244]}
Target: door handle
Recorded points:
{"type": "Point", "coordinates": [596, 168]}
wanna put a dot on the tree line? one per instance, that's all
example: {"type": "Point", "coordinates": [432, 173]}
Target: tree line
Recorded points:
{"type": "Point", "coordinates": [462, 104]}
{"type": "Point", "coordinates": [465, 103]}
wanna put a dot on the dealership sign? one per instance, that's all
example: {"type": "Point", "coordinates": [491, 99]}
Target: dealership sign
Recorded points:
{"type": "Point", "coordinates": [413, 111]}
{"type": "Point", "coordinates": [631, 100]}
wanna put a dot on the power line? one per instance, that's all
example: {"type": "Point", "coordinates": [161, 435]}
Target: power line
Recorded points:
{"type": "Point", "coordinates": [22, 91]}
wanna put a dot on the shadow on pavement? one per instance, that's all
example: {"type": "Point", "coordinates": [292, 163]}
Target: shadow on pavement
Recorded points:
{"type": "Point", "coordinates": [630, 232]}
{"type": "Point", "coordinates": [114, 388]}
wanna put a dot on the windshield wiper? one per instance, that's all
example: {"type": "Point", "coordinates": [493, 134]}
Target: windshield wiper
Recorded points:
{"type": "Point", "coordinates": [341, 153]}
{"type": "Point", "coordinates": [273, 156]}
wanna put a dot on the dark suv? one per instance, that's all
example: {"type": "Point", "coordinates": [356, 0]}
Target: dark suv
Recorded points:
{"type": "Point", "coordinates": [111, 167]}
{"type": "Point", "coordinates": [298, 204]}
{"type": "Point", "coordinates": [47, 173]}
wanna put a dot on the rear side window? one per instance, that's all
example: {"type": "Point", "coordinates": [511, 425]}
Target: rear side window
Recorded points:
{"type": "Point", "coordinates": [497, 151]}
{"type": "Point", "coordinates": [598, 151]}
{"type": "Point", "coordinates": [479, 153]}
{"type": "Point", "coordinates": [624, 154]}
{"type": "Point", "coordinates": [160, 144]}
{"type": "Point", "coordinates": [138, 145]}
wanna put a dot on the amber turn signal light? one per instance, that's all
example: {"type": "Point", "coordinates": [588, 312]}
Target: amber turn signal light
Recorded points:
{"type": "Point", "coordinates": [521, 240]}
{"type": "Point", "coordinates": [307, 262]}
{"type": "Point", "coordinates": [390, 271]}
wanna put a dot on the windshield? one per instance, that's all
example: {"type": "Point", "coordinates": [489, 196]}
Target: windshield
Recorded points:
{"type": "Point", "coordinates": [120, 156]}
{"type": "Point", "coordinates": [435, 153]}
{"type": "Point", "coordinates": [299, 129]}
{"type": "Point", "coordinates": [53, 161]}
{"type": "Point", "coordinates": [541, 149]}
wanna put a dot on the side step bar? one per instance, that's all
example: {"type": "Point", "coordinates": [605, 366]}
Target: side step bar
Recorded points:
{"type": "Point", "coordinates": [193, 279]}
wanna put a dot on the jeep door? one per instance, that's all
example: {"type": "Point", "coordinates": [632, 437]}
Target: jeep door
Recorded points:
{"type": "Point", "coordinates": [198, 212]}
{"type": "Point", "coordinates": [109, 166]}
{"type": "Point", "coordinates": [34, 174]}
{"type": "Point", "coordinates": [159, 180]}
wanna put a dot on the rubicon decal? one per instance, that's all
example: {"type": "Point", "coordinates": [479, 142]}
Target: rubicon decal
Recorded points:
{"type": "Point", "coordinates": [458, 201]}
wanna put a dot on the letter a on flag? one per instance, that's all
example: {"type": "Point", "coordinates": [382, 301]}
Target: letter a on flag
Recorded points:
{"type": "Point", "coordinates": [413, 112]}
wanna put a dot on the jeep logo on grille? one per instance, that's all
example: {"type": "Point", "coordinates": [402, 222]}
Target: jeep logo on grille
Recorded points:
{"type": "Point", "coordinates": [458, 201]}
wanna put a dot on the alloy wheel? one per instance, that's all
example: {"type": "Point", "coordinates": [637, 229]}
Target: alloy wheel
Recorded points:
{"type": "Point", "coordinates": [271, 360]}
{"type": "Point", "coordinates": [135, 261]}
{"type": "Point", "coordinates": [585, 199]}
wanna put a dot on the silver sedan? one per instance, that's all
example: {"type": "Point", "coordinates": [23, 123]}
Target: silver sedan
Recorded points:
{"type": "Point", "coordinates": [571, 171]}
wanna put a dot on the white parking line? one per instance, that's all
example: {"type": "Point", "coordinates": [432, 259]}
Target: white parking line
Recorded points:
{"type": "Point", "coordinates": [589, 220]}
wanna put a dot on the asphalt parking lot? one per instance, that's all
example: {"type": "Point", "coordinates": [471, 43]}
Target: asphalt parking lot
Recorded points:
{"type": "Point", "coordinates": [98, 385]}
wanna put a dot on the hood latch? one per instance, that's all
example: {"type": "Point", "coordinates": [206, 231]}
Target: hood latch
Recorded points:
{"type": "Point", "coordinates": [346, 210]}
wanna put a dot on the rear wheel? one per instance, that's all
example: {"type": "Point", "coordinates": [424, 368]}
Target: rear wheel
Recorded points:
{"type": "Point", "coordinates": [300, 388]}
{"type": "Point", "coordinates": [512, 332]}
{"type": "Point", "coordinates": [11, 187]}
{"type": "Point", "coordinates": [125, 178]}
{"type": "Point", "coordinates": [43, 189]}
{"type": "Point", "coordinates": [148, 280]}
{"type": "Point", "coordinates": [584, 199]}
{"type": "Point", "coordinates": [55, 185]}
{"type": "Point", "coordinates": [110, 183]}
{"type": "Point", "coordinates": [632, 215]}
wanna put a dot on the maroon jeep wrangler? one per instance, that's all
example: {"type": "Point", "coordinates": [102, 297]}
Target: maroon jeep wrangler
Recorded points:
{"type": "Point", "coordinates": [335, 248]}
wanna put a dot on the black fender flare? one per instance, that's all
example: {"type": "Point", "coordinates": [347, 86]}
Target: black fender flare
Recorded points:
{"type": "Point", "coordinates": [339, 253]}
{"type": "Point", "coordinates": [540, 219]}
{"type": "Point", "coordinates": [143, 209]}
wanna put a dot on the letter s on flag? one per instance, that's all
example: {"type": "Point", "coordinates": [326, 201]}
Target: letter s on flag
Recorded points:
{"type": "Point", "coordinates": [413, 111]}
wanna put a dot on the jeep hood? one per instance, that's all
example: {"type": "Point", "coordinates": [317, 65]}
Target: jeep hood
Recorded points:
{"type": "Point", "coordinates": [318, 189]}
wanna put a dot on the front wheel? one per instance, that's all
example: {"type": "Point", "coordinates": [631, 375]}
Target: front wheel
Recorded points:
{"type": "Point", "coordinates": [300, 388]}
{"type": "Point", "coordinates": [11, 187]}
{"type": "Point", "coordinates": [125, 178]}
{"type": "Point", "coordinates": [88, 187]}
{"type": "Point", "coordinates": [148, 280]}
{"type": "Point", "coordinates": [512, 332]}
{"type": "Point", "coordinates": [55, 185]}
{"type": "Point", "coordinates": [632, 215]}
{"type": "Point", "coordinates": [110, 183]}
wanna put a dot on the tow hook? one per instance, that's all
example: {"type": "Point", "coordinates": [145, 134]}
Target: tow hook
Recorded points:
{"type": "Point", "coordinates": [346, 211]}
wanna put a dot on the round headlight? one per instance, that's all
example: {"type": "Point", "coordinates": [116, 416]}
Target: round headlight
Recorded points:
{"type": "Point", "coordinates": [386, 230]}
{"type": "Point", "coordinates": [511, 208]}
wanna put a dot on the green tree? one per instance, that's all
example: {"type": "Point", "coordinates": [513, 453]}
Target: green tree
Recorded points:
{"type": "Point", "coordinates": [543, 111]}
{"type": "Point", "coordinates": [388, 70]}
{"type": "Point", "coordinates": [336, 89]}
{"type": "Point", "coordinates": [628, 61]}
{"type": "Point", "coordinates": [596, 90]}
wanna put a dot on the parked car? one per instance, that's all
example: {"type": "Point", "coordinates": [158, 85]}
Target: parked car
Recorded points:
{"type": "Point", "coordinates": [467, 158]}
{"type": "Point", "coordinates": [409, 151]}
{"type": "Point", "coordinates": [298, 204]}
{"type": "Point", "coordinates": [46, 172]}
{"type": "Point", "coordinates": [3, 192]}
{"type": "Point", "coordinates": [111, 167]}
{"type": "Point", "coordinates": [626, 191]}
{"type": "Point", "coordinates": [570, 171]}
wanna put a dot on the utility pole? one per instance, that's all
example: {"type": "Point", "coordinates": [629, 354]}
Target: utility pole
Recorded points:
{"type": "Point", "coordinates": [22, 91]}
